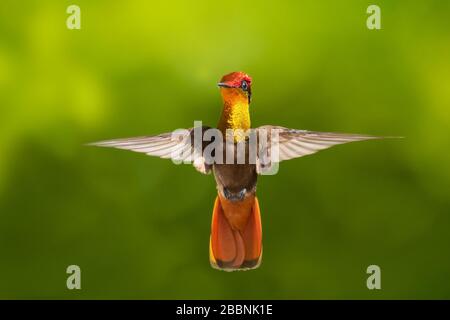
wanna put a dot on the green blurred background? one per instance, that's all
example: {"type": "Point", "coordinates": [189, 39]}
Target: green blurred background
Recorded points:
{"type": "Point", "coordinates": [139, 227]}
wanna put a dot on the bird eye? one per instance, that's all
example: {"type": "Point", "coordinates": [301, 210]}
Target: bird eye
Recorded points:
{"type": "Point", "coordinates": [244, 85]}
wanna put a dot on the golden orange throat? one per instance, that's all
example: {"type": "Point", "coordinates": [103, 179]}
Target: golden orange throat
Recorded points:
{"type": "Point", "coordinates": [235, 114]}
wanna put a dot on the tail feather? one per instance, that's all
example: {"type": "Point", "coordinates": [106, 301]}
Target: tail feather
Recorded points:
{"type": "Point", "coordinates": [222, 238]}
{"type": "Point", "coordinates": [231, 248]}
{"type": "Point", "coordinates": [253, 234]}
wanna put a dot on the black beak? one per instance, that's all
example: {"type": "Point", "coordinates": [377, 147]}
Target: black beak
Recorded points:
{"type": "Point", "coordinates": [224, 85]}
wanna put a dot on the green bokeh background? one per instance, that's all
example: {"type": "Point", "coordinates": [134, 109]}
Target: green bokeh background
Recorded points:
{"type": "Point", "coordinates": [139, 227]}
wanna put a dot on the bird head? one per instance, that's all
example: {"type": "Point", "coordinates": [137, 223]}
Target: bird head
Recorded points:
{"type": "Point", "coordinates": [236, 87]}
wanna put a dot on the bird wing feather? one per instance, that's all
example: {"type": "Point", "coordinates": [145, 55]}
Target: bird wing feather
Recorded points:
{"type": "Point", "coordinates": [293, 143]}
{"type": "Point", "coordinates": [178, 146]}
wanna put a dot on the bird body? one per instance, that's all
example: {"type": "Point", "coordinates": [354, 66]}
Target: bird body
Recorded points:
{"type": "Point", "coordinates": [232, 229]}
{"type": "Point", "coordinates": [236, 232]}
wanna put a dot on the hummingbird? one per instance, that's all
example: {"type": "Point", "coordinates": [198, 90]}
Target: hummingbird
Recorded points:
{"type": "Point", "coordinates": [236, 230]}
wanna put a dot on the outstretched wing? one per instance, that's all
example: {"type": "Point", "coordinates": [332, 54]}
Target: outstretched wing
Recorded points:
{"type": "Point", "coordinates": [285, 144]}
{"type": "Point", "coordinates": [178, 146]}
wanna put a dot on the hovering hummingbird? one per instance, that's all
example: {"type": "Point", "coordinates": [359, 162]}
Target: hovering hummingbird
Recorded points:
{"type": "Point", "coordinates": [236, 232]}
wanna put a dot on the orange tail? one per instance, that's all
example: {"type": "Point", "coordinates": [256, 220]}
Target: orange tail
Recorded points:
{"type": "Point", "coordinates": [236, 235]}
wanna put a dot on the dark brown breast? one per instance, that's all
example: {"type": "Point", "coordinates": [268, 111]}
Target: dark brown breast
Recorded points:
{"type": "Point", "coordinates": [236, 177]}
